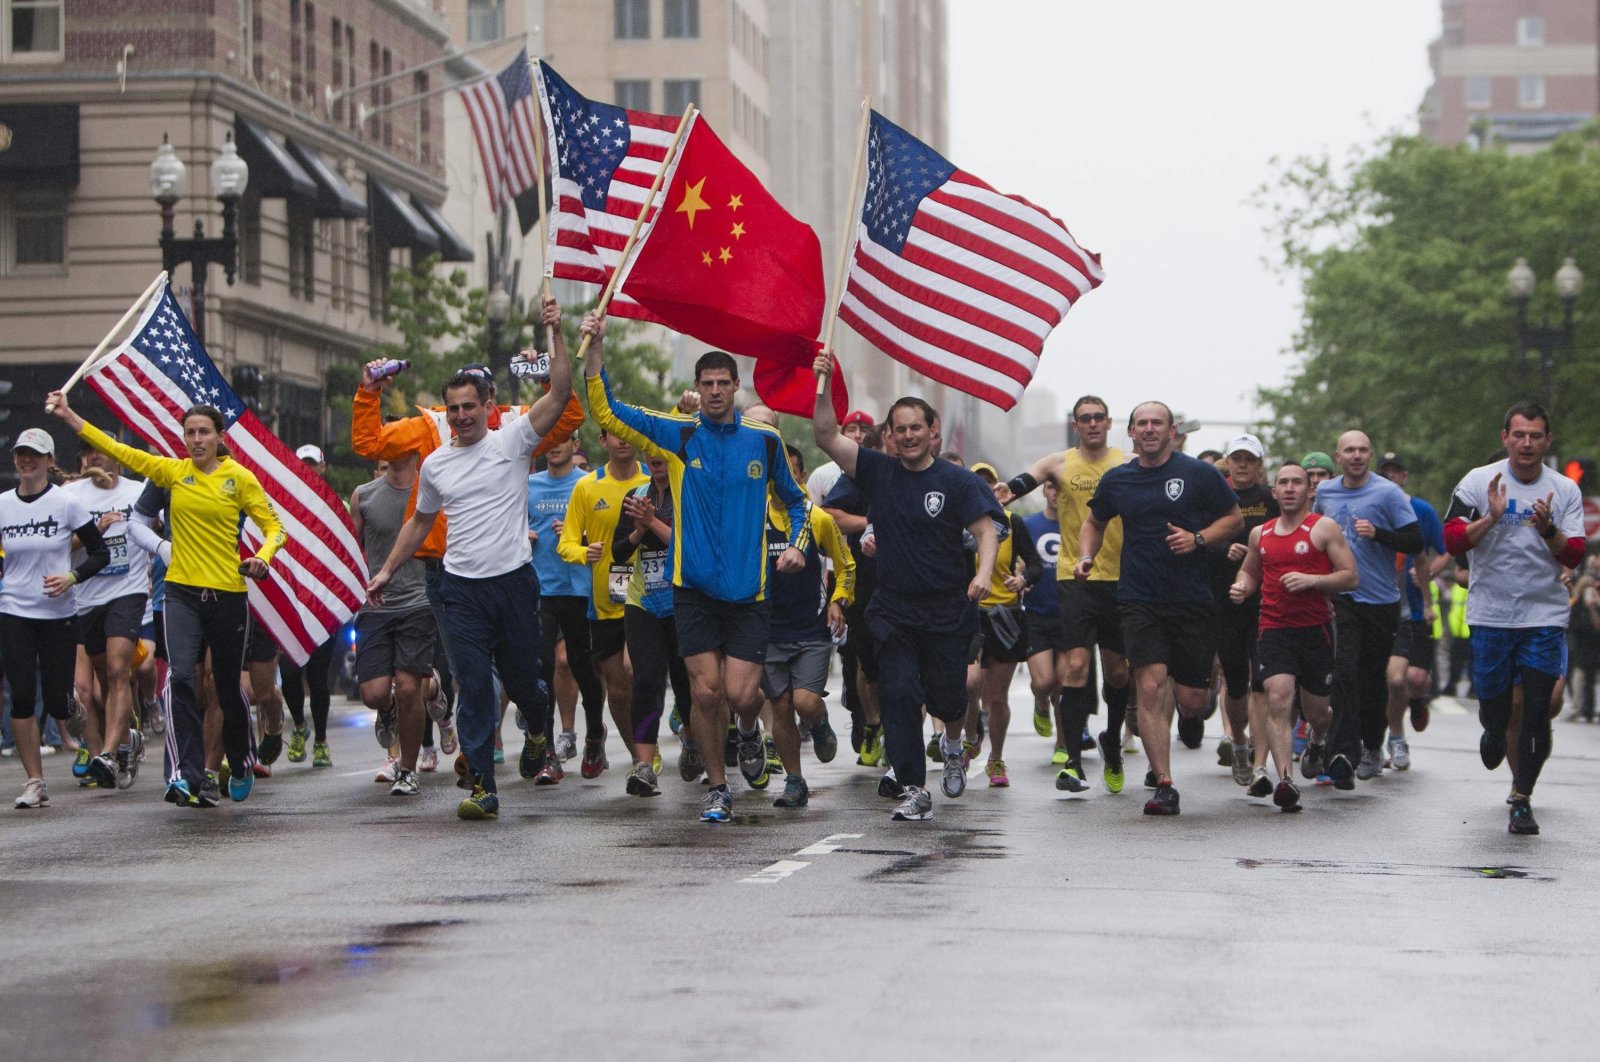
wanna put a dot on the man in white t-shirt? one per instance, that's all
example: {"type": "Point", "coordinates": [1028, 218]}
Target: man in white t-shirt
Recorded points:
{"type": "Point", "coordinates": [1523, 523]}
{"type": "Point", "coordinates": [488, 593]}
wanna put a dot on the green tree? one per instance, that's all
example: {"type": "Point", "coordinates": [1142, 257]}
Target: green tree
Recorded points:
{"type": "Point", "coordinates": [1407, 332]}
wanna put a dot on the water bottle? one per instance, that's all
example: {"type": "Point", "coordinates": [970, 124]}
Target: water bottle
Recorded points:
{"type": "Point", "coordinates": [392, 367]}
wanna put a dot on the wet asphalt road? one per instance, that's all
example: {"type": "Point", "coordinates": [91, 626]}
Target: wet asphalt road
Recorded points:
{"type": "Point", "coordinates": [326, 919]}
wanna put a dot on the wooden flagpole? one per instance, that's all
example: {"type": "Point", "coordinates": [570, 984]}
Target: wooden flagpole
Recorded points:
{"type": "Point", "coordinates": [638, 222]}
{"type": "Point", "coordinates": [116, 330]}
{"type": "Point", "coordinates": [540, 143]}
{"type": "Point", "coordinates": [847, 237]}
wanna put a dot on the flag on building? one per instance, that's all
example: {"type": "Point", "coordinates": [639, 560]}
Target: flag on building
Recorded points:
{"type": "Point", "coordinates": [726, 264]}
{"type": "Point", "coordinates": [506, 128]}
{"type": "Point", "coordinates": [603, 161]}
{"type": "Point", "coordinates": [318, 579]}
{"type": "Point", "coordinates": [953, 278]}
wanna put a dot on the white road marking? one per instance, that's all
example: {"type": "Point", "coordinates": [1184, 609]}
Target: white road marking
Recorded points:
{"type": "Point", "coordinates": [828, 844]}
{"type": "Point", "coordinates": [783, 868]}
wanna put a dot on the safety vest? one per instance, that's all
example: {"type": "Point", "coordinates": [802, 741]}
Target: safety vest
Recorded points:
{"type": "Point", "coordinates": [1458, 613]}
{"type": "Point", "coordinates": [1438, 624]}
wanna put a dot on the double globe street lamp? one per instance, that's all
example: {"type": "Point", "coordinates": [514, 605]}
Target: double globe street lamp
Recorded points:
{"type": "Point", "coordinates": [1545, 339]}
{"type": "Point", "coordinates": [229, 176]}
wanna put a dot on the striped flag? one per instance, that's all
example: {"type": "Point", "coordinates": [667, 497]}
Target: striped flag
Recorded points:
{"type": "Point", "coordinates": [604, 160]}
{"type": "Point", "coordinates": [951, 277]}
{"type": "Point", "coordinates": [318, 579]}
{"type": "Point", "coordinates": [501, 112]}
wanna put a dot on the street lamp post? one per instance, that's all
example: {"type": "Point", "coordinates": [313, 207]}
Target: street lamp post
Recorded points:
{"type": "Point", "coordinates": [497, 308]}
{"type": "Point", "coordinates": [229, 176]}
{"type": "Point", "coordinates": [1545, 339]}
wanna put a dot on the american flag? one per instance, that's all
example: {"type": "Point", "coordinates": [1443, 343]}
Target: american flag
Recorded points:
{"type": "Point", "coordinates": [605, 159]}
{"type": "Point", "coordinates": [951, 277]}
{"type": "Point", "coordinates": [318, 579]}
{"type": "Point", "coordinates": [504, 124]}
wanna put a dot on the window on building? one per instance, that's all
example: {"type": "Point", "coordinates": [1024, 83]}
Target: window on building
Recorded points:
{"type": "Point", "coordinates": [632, 20]}
{"type": "Point", "coordinates": [250, 236]}
{"type": "Point", "coordinates": [1478, 91]}
{"type": "Point", "coordinates": [311, 56]}
{"type": "Point", "coordinates": [680, 18]}
{"type": "Point", "coordinates": [302, 250]}
{"type": "Point", "coordinates": [679, 94]}
{"type": "Point", "coordinates": [337, 81]}
{"type": "Point", "coordinates": [1530, 31]}
{"type": "Point", "coordinates": [296, 52]}
{"type": "Point", "coordinates": [32, 28]}
{"type": "Point", "coordinates": [33, 231]}
{"type": "Point", "coordinates": [388, 98]}
{"type": "Point", "coordinates": [635, 95]}
{"type": "Point", "coordinates": [424, 118]}
{"type": "Point", "coordinates": [258, 62]}
{"type": "Point", "coordinates": [1530, 90]}
{"type": "Point", "coordinates": [374, 92]}
{"type": "Point", "coordinates": [486, 20]}
{"type": "Point", "coordinates": [247, 35]}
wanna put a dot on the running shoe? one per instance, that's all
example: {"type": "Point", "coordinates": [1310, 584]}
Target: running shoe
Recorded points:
{"type": "Point", "coordinates": [481, 805]}
{"type": "Point", "coordinates": [153, 716]}
{"type": "Point", "coordinates": [129, 757]}
{"type": "Point", "coordinates": [1302, 737]}
{"type": "Point", "coordinates": [1111, 775]}
{"type": "Point", "coordinates": [321, 755]}
{"type": "Point", "coordinates": [642, 781]}
{"type": "Point", "coordinates": [1192, 732]}
{"type": "Point", "coordinates": [76, 717]}
{"type": "Point", "coordinates": [405, 783]}
{"type": "Point", "coordinates": [297, 744]}
{"type": "Point", "coordinates": [1059, 756]}
{"type": "Point", "coordinates": [1420, 713]}
{"type": "Point", "coordinates": [428, 760]}
{"type": "Point", "coordinates": [717, 806]}
{"type": "Point", "coordinates": [34, 795]}
{"type": "Point", "coordinates": [499, 748]}
{"type": "Point", "coordinates": [871, 745]}
{"type": "Point", "coordinates": [1261, 785]}
{"type": "Point", "coordinates": [1399, 754]}
{"type": "Point", "coordinates": [1371, 765]}
{"type": "Point", "coordinates": [552, 772]}
{"type": "Point", "coordinates": [1522, 820]}
{"type": "Point", "coordinates": [80, 763]}
{"type": "Point", "coordinates": [386, 724]}
{"type": "Point", "coordinates": [438, 704]}
{"type": "Point", "coordinates": [178, 793]}
{"type": "Point", "coordinates": [567, 745]}
{"type": "Point", "coordinates": [917, 805]}
{"type": "Point", "coordinates": [521, 721]}
{"type": "Point", "coordinates": [691, 765]}
{"type": "Point", "coordinates": [1314, 760]}
{"type": "Point", "coordinates": [774, 761]}
{"type": "Point", "coordinates": [1225, 752]}
{"type": "Point", "coordinates": [889, 786]}
{"type": "Point", "coordinates": [996, 770]}
{"type": "Point", "coordinates": [933, 750]}
{"type": "Point", "coordinates": [730, 747]}
{"type": "Point", "coordinates": [270, 747]}
{"type": "Point", "coordinates": [1492, 749]}
{"type": "Point", "coordinates": [954, 782]}
{"type": "Point", "coordinates": [222, 773]}
{"type": "Point", "coordinates": [970, 750]}
{"type": "Point", "coordinates": [1129, 745]}
{"type": "Point", "coordinates": [1241, 764]}
{"type": "Point", "coordinates": [824, 742]}
{"type": "Point", "coordinates": [1070, 779]}
{"type": "Point", "coordinates": [1163, 802]}
{"type": "Point", "coordinates": [1043, 725]}
{"type": "Point", "coordinates": [209, 795]}
{"type": "Point", "coordinates": [1342, 774]}
{"type": "Point", "coordinates": [1150, 779]}
{"type": "Point", "coordinates": [1287, 795]}
{"type": "Point", "coordinates": [594, 756]}
{"type": "Point", "coordinates": [655, 762]}
{"type": "Point", "coordinates": [675, 720]}
{"type": "Point", "coordinates": [239, 786]}
{"type": "Point", "coordinates": [448, 744]}
{"type": "Point", "coordinates": [796, 794]}
{"type": "Point", "coordinates": [260, 770]}
{"type": "Point", "coordinates": [751, 755]}
{"type": "Point", "coordinates": [103, 771]}
{"type": "Point", "coordinates": [531, 761]}
{"type": "Point", "coordinates": [1086, 741]}
{"type": "Point", "coordinates": [386, 773]}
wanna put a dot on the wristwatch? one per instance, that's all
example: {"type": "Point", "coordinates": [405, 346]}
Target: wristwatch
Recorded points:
{"type": "Point", "coordinates": [1199, 540]}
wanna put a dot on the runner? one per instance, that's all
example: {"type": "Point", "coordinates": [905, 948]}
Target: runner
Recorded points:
{"type": "Point", "coordinates": [1171, 506]}
{"type": "Point", "coordinates": [855, 426]}
{"type": "Point", "coordinates": [1041, 613]}
{"type": "Point", "coordinates": [1410, 667]}
{"type": "Point", "coordinates": [1294, 562]}
{"type": "Point", "coordinates": [1522, 522]}
{"type": "Point", "coordinates": [311, 678]}
{"type": "Point", "coordinates": [1319, 469]}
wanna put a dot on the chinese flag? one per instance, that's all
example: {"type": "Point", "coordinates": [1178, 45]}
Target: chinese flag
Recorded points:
{"type": "Point", "coordinates": [726, 264]}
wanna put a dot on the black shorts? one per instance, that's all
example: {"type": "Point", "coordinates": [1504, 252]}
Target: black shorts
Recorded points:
{"type": "Point", "coordinates": [1005, 638]}
{"type": "Point", "coordinates": [1236, 646]}
{"type": "Point", "coordinates": [121, 617]}
{"type": "Point", "coordinates": [387, 642]}
{"type": "Point", "coordinates": [606, 639]}
{"type": "Point", "coordinates": [1304, 652]}
{"type": "Point", "coordinates": [161, 634]}
{"type": "Point", "coordinates": [1413, 639]}
{"type": "Point", "coordinates": [1180, 634]}
{"type": "Point", "coordinates": [259, 648]}
{"type": "Point", "coordinates": [860, 641]}
{"type": "Point", "coordinates": [706, 625]}
{"type": "Point", "coordinates": [1090, 615]}
{"type": "Point", "coordinates": [1045, 634]}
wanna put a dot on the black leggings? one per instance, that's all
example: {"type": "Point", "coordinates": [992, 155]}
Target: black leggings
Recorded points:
{"type": "Point", "coordinates": [39, 656]}
{"type": "Point", "coordinates": [565, 616]}
{"type": "Point", "coordinates": [653, 648]}
{"type": "Point", "coordinates": [196, 620]}
{"type": "Point", "coordinates": [315, 676]}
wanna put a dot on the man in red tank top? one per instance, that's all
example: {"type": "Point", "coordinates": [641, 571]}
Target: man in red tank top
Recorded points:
{"type": "Point", "coordinates": [1297, 560]}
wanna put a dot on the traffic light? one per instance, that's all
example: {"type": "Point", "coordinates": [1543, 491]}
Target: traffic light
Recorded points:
{"type": "Point", "coordinates": [1582, 471]}
{"type": "Point", "coordinates": [247, 385]}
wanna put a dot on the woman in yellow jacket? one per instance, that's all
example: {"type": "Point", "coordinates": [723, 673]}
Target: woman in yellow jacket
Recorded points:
{"type": "Point", "coordinates": [205, 604]}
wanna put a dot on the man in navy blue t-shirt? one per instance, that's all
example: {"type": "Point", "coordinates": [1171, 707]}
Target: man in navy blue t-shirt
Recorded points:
{"type": "Point", "coordinates": [1173, 508]}
{"type": "Point", "coordinates": [924, 615]}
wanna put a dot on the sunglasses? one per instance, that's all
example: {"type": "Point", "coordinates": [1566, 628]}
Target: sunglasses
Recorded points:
{"type": "Point", "coordinates": [1090, 418]}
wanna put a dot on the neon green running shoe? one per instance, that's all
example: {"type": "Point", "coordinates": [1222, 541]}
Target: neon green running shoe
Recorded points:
{"type": "Point", "coordinates": [1058, 758]}
{"type": "Point", "coordinates": [1043, 725]}
{"type": "Point", "coordinates": [482, 804]}
{"type": "Point", "coordinates": [321, 755]}
{"type": "Point", "coordinates": [297, 745]}
{"type": "Point", "coordinates": [655, 763]}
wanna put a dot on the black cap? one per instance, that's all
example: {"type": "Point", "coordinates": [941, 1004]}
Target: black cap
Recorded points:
{"type": "Point", "coordinates": [1391, 458]}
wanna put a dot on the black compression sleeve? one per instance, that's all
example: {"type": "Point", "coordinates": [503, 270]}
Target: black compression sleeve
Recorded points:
{"type": "Point", "coordinates": [1407, 539]}
{"type": "Point", "coordinates": [94, 544]}
{"type": "Point", "coordinates": [1022, 485]}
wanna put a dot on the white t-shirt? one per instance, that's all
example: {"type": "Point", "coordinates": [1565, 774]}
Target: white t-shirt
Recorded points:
{"type": "Point", "coordinates": [37, 539]}
{"type": "Point", "coordinates": [1513, 579]}
{"type": "Point", "coordinates": [821, 481]}
{"type": "Point", "coordinates": [483, 492]}
{"type": "Point", "coordinates": [129, 570]}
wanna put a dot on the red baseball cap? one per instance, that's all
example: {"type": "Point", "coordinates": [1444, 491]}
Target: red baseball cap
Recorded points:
{"type": "Point", "coordinates": [856, 416]}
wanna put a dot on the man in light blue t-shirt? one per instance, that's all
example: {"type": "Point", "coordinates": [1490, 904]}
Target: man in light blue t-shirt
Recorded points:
{"type": "Point", "coordinates": [1378, 521]}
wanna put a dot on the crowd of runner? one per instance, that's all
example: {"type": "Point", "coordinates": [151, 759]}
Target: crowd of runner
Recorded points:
{"type": "Point", "coordinates": [699, 578]}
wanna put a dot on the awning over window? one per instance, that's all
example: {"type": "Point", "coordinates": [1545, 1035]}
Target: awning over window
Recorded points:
{"type": "Point", "coordinates": [396, 222]}
{"type": "Point", "coordinates": [452, 248]}
{"type": "Point", "coordinates": [39, 143]}
{"type": "Point", "coordinates": [273, 173]}
{"type": "Point", "coordinates": [335, 198]}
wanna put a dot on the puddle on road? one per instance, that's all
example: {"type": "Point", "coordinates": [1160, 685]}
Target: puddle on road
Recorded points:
{"type": "Point", "coordinates": [1407, 870]}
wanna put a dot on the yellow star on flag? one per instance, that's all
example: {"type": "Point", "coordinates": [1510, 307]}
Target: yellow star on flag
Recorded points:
{"type": "Point", "coordinates": [738, 229]}
{"type": "Point", "coordinates": [692, 203]}
{"type": "Point", "coordinates": [726, 256]}
{"type": "Point", "coordinates": [705, 256]}
{"type": "Point", "coordinates": [736, 202]}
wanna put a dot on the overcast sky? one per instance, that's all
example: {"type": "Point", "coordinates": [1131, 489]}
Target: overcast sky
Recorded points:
{"type": "Point", "coordinates": [1146, 127]}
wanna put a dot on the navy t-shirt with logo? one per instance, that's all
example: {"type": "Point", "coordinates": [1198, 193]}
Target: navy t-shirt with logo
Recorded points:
{"type": "Point", "coordinates": [1181, 491]}
{"type": "Point", "coordinates": [918, 519]}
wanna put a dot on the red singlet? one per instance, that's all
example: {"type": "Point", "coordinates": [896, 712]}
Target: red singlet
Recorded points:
{"type": "Point", "coordinates": [1293, 552]}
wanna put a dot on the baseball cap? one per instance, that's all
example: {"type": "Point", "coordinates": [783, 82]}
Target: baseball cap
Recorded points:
{"type": "Point", "coordinates": [856, 416]}
{"type": "Point", "coordinates": [984, 468]}
{"type": "Point", "coordinates": [308, 452]}
{"type": "Point", "coordinates": [479, 369]}
{"type": "Point", "coordinates": [1392, 458]}
{"type": "Point", "coordinates": [36, 439]}
{"type": "Point", "coordinates": [1318, 459]}
{"type": "Point", "coordinates": [1246, 442]}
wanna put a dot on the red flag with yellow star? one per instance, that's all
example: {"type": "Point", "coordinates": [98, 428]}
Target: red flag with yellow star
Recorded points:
{"type": "Point", "coordinates": [725, 263]}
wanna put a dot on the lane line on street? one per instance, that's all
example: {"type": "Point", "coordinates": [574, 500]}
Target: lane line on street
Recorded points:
{"type": "Point", "coordinates": [785, 868]}
{"type": "Point", "coordinates": [831, 843]}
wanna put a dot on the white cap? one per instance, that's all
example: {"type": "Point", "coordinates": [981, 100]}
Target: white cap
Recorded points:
{"type": "Point", "coordinates": [309, 452]}
{"type": "Point", "coordinates": [36, 439]}
{"type": "Point", "coordinates": [1248, 443]}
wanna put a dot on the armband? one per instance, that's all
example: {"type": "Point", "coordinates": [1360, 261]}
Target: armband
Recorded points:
{"type": "Point", "coordinates": [1021, 485]}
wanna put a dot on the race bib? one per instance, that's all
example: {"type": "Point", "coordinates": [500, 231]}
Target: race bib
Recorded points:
{"type": "Point", "coordinates": [654, 566]}
{"type": "Point", "coordinates": [118, 546]}
{"type": "Point", "coordinates": [617, 581]}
